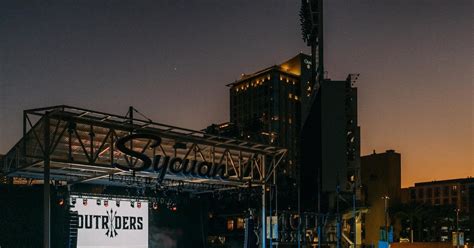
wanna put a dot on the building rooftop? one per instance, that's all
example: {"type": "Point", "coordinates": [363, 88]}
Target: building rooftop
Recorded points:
{"type": "Point", "coordinates": [449, 181]}
{"type": "Point", "coordinates": [291, 67]}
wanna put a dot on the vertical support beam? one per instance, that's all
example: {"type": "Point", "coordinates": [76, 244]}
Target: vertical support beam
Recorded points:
{"type": "Point", "coordinates": [46, 185]}
{"type": "Point", "coordinates": [23, 148]}
{"type": "Point", "coordinates": [264, 217]}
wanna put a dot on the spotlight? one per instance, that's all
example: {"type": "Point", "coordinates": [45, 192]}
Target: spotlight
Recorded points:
{"type": "Point", "coordinates": [155, 205]}
{"type": "Point", "coordinates": [139, 204]}
{"type": "Point", "coordinates": [117, 203]}
{"type": "Point", "coordinates": [98, 202]}
{"type": "Point", "coordinates": [132, 204]}
{"type": "Point", "coordinates": [106, 203]}
{"type": "Point", "coordinates": [61, 202]}
{"type": "Point", "coordinates": [174, 208]}
{"type": "Point", "coordinates": [73, 201]}
{"type": "Point", "coordinates": [84, 202]}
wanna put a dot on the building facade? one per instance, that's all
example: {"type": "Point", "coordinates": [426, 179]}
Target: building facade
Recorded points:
{"type": "Point", "coordinates": [381, 184]}
{"type": "Point", "coordinates": [265, 107]}
{"type": "Point", "coordinates": [317, 124]}
{"type": "Point", "coordinates": [453, 192]}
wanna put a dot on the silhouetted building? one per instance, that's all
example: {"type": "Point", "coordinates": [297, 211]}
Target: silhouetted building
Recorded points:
{"type": "Point", "coordinates": [471, 210]}
{"type": "Point", "coordinates": [381, 178]}
{"type": "Point", "coordinates": [446, 192]}
{"type": "Point", "coordinates": [317, 124]}
{"type": "Point", "coordinates": [265, 106]}
{"type": "Point", "coordinates": [331, 142]}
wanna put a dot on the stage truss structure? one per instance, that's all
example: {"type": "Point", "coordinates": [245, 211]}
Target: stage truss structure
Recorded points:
{"type": "Point", "coordinates": [78, 146]}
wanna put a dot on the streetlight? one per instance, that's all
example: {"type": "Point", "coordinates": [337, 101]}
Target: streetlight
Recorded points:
{"type": "Point", "coordinates": [386, 198]}
{"type": "Point", "coordinates": [457, 227]}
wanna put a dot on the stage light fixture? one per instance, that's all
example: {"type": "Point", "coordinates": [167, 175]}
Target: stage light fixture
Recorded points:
{"type": "Point", "coordinates": [61, 202]}
{"type": "Point", "coordinates": [84, 202]}
{"type": "Point", "coordinates": [155, 205]}
{"type": "Point", "coordinates": [139, 204]}
{"type": "Point", "coordinates": [106, 203]}
{"type": "Point", "coordinates": [98, 202]}
{"type": "Point", "coordinates": [132, 204]}
{"type": "Point", "coordinates": [117, 203]}
{"type": "Point", "coordinates": [73, 201]}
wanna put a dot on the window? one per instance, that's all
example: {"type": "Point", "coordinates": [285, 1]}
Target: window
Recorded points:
{"type": "Point", "coordinates": [421, 193]}
{"type": "Point", "coordinates": [429, 193]}
{"type": "Point", "coordinates": [454, 189]}
{"type": "Point", "coordinates": [240, 223]}
{"type": "Point", "coordinates": [445, 191]}
{"type": "Point", "coordinates": [412, 194]}
{"type": "Point", "coordinates": [436, 192]}
{"type": "Point", "coordinates": [230, 224]}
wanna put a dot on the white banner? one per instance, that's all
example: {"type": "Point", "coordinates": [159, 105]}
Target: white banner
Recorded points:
{"type": "Point", "coordinates": [110, 224]}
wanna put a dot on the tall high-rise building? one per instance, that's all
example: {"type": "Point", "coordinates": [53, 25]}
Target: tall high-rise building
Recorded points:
{"type": "Point", "coordinates": [265, 107]}
{"type": "Point", "coordinates": [316, 123]}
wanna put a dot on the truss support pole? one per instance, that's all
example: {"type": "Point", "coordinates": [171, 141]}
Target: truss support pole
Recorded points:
{"type": "Point", "coordinates": [46, 185]}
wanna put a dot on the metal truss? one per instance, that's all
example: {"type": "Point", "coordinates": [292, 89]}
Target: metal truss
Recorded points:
{"type": "Point", "coordinates": [79, 146]}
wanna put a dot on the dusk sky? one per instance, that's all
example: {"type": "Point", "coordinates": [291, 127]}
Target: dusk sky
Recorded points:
{"type": "Point", "coordinates": [171, 59]}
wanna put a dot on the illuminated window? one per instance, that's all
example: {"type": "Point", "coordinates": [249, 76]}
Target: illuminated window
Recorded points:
{"type": "Point", "coordinates": [240, 223]}
{"type": "Point", "coordinates": [281, 78]}
{"type": "Point", "coordinates": [289, 120]}
{"type": "Point", "coordinates": [290, 96]}
{"type": "Point", "coordinates": [268, 77]}
{"type": "Point", "coordinates": [230, 225]}
{"type": "Point", "coordinates": [296, 97]}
